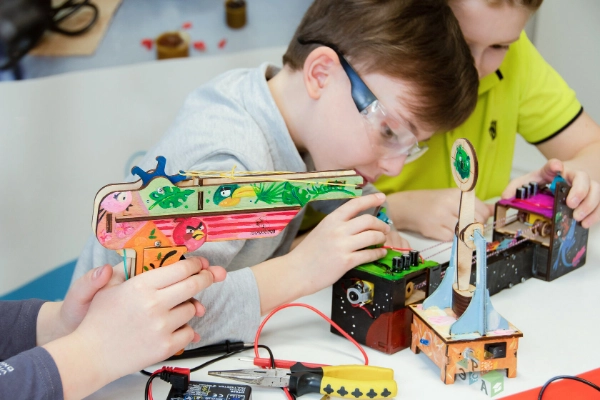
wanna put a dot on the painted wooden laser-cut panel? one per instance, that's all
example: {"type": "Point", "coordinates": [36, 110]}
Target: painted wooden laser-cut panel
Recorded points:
{"type": "Point", "coordinates": [183, 212]}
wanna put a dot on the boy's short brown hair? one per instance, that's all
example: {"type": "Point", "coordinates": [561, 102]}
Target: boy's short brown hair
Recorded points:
{"type": "Point", "coordinates": [417, 41]}
{"type": "Point", "coordinates": [532, 5]}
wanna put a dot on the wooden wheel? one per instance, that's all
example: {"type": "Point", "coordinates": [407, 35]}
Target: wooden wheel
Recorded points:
{"type": "Point", "coordinates": [463, 163]}
{"type": "Point", "coordinates": [410, 288]}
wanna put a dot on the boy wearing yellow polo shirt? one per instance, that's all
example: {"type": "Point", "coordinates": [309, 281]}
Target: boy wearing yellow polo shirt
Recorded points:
{"type": "Point", "coordinates": [518, 92]}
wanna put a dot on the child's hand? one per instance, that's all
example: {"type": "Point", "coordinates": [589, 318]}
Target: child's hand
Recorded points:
{"type": "Point", "coordinates": [393, 239]}
{"type": "Point", "coordinates": [339, 243]}
{"type": "Point", "coordinates": [584, 197]}
{"type": "Point", "coordinates": [57, 319]}
{"type": "Point", "coordinates": [139, 322]}
{"type": "Point", "coordinates": [432, 213]}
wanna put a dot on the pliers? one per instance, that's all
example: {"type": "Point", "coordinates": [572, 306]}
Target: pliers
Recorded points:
{"type": "Point", "coordinates": [347, 381]}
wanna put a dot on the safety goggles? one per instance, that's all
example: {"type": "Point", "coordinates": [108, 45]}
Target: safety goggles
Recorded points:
{"type": "Point", "coordinates": [390, 136]}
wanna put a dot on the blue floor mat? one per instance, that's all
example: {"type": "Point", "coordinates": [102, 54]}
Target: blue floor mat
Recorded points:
{"type": "Point", "coordinates": [51, 286]}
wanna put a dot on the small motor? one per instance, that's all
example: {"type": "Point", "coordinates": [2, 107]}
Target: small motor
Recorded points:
{"type": "Point", "coordinates": [361, 292]}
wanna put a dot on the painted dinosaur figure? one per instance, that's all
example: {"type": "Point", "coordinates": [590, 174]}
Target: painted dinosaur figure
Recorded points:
{"type": "Point", "coordinates": [159, 218]}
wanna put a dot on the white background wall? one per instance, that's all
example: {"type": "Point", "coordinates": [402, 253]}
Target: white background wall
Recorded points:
{"type": "Point", "coordinates": [567, 34]}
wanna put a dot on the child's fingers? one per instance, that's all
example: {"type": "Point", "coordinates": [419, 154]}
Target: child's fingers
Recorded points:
{"type": "Point", "coordinates": [200, 309]}
{"type": "Point", "coordinates": [85, 288]}
{"type": "Point", "coordinates": [481, 217]}
{"type": "Point", "coordinates": [353, 207]}
{"type": "Point", "coordinates": [366, 256]}
{"type": "Point", "coordinates": [552, 167]}
{"type": "Point", "coordinates": [167, 276]}
{"type": "Point", "coordinates": [219, 273]}
{"type": "Point", "coordinates": [365, 222]}
{"type": "Point", "coordinates": [393, 239]}
{"type": "Point", "coordinates": [186, 289]}
{"type": "Point", "coordinates": [510, 189]}
{"type": "Point", "coordinates": [444, 234]}
{"type": "Point", "coordinates": [592, 218]}
{"type": "Point", "coordinates": [579, 190]}
{"type": "Point", "coordinates": [542, 176]}
{"type": "Point", "coordinates": [203, 261]}
{"type": "Point", "coordinates": [365, 239]}
{"type": "Point", "coordinates": [118, 275]}
{"type": "Point", "coordinates": [483, 211]}
{"type": "Point", "coordinates": [196, 338]}
{"type": "Point", "coordinates": [180, 315]}
{"type": "Point", "coordinates": [589, 204]}
{"type": "Point", "coordinates": [180, 338]}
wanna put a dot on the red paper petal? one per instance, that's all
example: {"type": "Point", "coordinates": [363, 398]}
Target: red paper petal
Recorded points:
{"type": "Point", "coordinates": [147, 43]}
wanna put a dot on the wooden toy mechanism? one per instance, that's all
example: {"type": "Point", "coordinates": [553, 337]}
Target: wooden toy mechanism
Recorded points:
{"type": "Point", "coordinates": [154, 221]}
{"type": "Point", "coordinates": [457, 323]}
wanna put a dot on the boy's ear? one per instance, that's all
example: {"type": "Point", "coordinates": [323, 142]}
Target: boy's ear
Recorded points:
{"type": "Point", "coordinates": [319, 67]}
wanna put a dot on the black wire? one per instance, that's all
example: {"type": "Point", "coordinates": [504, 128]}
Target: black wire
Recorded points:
{"type": "Point", "coordinates": [262, 346]}
{"type": "Point", "coordinates": [67, 9]}
{"type": "Point", "coordinates": [214, 360]}
{"type": "Point", "coordinates": [575, 378]}
{"type": "Point", "coordinates": [224, 356]}
{"type": "Point", "coordinates": [147, 391]}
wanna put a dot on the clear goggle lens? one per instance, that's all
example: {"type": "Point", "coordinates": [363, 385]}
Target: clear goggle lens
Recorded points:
{"type": "Point", "coordinates": [390, 136]}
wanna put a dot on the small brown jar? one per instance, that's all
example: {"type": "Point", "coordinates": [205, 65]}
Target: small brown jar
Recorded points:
{"type": "Point", "coordinates": [172, 45]}
{"type": "Point", "coordinates": [235, 12]}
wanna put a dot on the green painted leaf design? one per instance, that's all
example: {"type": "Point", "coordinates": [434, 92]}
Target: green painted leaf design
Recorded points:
{"type": "Point", "coordinates": [268, 193]}
{"type": "Point", "coordinates": [290, 194]}
{"type": "Point", "coordinates": [318, 189]}
{"type": "Point", "coordinates": [171, 197]}
{"type": "Point", "coordinates": [295, 195]}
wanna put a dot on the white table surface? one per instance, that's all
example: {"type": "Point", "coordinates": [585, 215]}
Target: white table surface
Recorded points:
{"type": "Point", "coordinates": [559, 321]}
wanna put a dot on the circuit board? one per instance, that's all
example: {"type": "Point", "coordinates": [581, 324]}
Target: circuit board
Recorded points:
{"type": "Point", "coordinates": [213, 391]}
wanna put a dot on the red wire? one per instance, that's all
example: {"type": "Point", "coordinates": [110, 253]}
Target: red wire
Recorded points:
{"type": "Point", "coordinates": [404, 250]}
{"type": "Point", "coordinates": [363, 308]}
{"type": "Point", "coordinates": [287, 393]}
{"type": "Point", "coordinates": [158, 371]}
{"type": "Point", "coordinates": [336, 326]}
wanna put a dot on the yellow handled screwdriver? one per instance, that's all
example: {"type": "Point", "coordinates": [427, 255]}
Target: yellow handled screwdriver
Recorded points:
{"type": "Point", "coordinates": [349, 381]}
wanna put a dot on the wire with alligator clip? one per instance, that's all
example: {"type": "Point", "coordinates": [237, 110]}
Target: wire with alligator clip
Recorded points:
{"type": "Point", "coordinates": [166, 372]}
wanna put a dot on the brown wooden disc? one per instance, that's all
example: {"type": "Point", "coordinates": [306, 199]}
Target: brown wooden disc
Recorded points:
{"type": "Point", "coordinates": [461, 299]}
{"type": "Point", "coordinates": [546, 229]}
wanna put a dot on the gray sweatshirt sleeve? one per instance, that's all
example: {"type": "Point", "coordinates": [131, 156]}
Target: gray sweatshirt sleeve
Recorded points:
{"type": "Point", "coordinates": [26, 371]}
